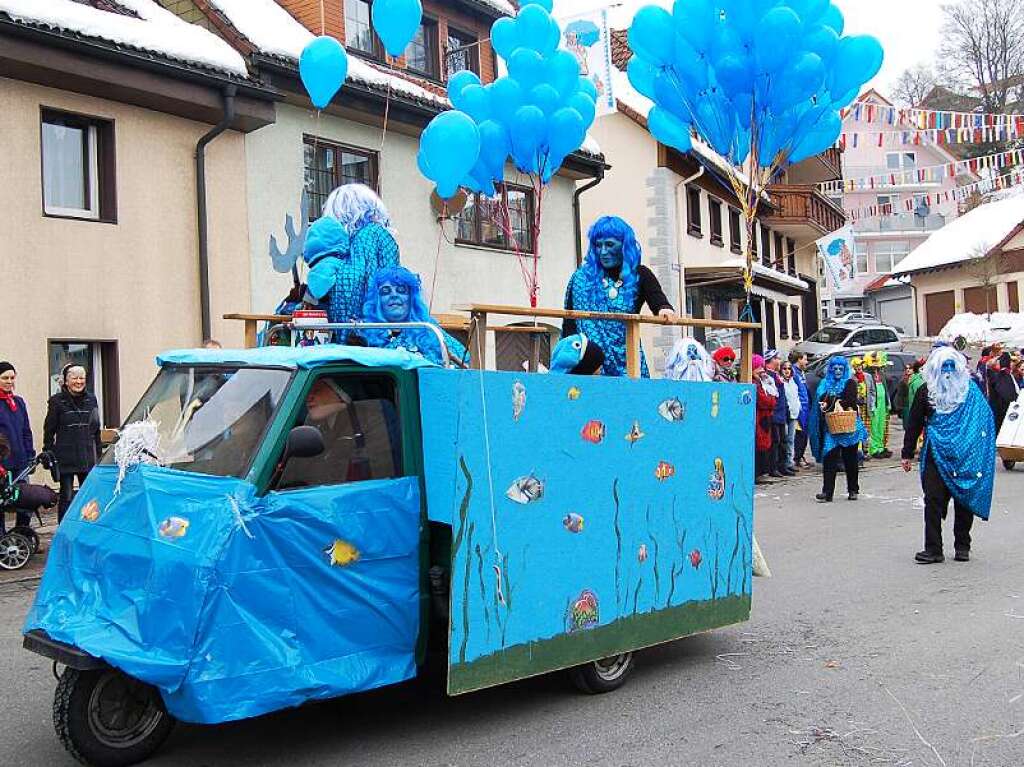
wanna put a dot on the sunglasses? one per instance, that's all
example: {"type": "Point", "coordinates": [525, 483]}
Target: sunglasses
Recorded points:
{"type": "Point", "coordinates": [728, 360]}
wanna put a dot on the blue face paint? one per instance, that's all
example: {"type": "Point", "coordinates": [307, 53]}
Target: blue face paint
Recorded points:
{"type": "Point", "coordinates": [837, 372]}
{"type": "Point", "coordinates": [692, 353]}
{"type": "Point", "coordinates": [949, 366]}
{"type": "Point", "coordinates": [394, 301]}
{"type": "Point", "coordinates": [609, 253]}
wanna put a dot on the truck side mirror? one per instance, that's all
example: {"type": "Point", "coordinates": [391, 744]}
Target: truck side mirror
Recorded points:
{"type": "Point", "coordinates": [304, 442]}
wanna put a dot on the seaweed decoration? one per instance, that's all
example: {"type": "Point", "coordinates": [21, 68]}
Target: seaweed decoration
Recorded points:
{"type": "Point", "coordinates": [654, 563]}
{"type": "Point", "coordinates": [465, 593]}
{"type": "Point", "coordinates": [618, 548]}
{"type": "Point", "coordinates": [741, 527]}
{"type": "Point", "coordinates": [681, 543]}
{"type": "Point", "coordinates": [456, 548]}
{"type": "Point", "coordinates": [636, 592]}
{"type": "Point", "coordinates": [483, 589]}
{"type": "Point", "coordinates": [712, 568]}
{"type": "Point", "coordinates": [732, 559]}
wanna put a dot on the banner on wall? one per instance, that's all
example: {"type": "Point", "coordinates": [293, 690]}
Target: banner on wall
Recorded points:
{"type": "Point", "coordinates": [836, 251]}
{"type": "Point", "coordinates": [589, 38]}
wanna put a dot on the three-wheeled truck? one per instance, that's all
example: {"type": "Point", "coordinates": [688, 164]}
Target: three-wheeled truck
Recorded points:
{"type": "Point", "coordinates": [283, 525]}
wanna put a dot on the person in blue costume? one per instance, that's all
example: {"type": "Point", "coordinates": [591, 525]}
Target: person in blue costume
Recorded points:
{"type": "Point", "coordinates": [830, 449]}
{"type": "Point", "coordinates": [959, 453]}
{"type": "Point", "coordinates": [345, 248]}
{"type": "Point", "coordinates": [395, 295]}
{"type": "Point", "coordinates": [575, 355]}
{"type": "Point", "coordinates": [612, 279]}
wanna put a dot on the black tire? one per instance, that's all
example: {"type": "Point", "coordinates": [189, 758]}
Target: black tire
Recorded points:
{"type": "Point", "coordinates": [30, 535]}
{"type": "Point", "coordinates": [107, 719]}
{"type": "Point", "coordinates": [1008, 464]}
{"type": "Point", "coordinates": [15, 551]}
{"type": "Point", "coordinates": [603, 675]}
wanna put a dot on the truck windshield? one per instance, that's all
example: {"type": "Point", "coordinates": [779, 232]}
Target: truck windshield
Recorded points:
{"type": "Point", "coordinates": [210, 419]}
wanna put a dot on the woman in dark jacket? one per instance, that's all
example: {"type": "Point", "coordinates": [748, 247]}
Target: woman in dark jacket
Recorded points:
{"type": "Point", "coordinates": [832, 450]}
{"type": "Point", "coordinates": [71, 432]}
{"type": "Point", "coordinates": [15, 426]}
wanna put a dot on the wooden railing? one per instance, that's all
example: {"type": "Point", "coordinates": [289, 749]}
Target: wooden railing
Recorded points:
{"type": "Point", "coordinates": [802, 205]}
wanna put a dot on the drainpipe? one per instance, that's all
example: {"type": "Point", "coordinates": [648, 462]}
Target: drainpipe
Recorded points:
{"type": "Point", "coordinates": [681, 280]}
{"type": "Point", "coordinates": [577, 225]}
{"type": "Point", "coordinates": [201, 213]}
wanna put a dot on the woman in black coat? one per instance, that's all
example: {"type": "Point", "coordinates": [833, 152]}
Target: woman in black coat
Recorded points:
{"type": "Point", "coordinates": [71, 432]}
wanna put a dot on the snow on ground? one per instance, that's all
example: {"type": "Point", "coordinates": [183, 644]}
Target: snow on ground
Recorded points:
{"type": "Point", "coordinates": [970, 236]}
{"type": "Point", "coordinates": [982, 330]}
{"type": "Point", "coordinates": [157, 31]}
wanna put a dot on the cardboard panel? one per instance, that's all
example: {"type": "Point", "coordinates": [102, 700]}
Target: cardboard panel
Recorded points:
{"type": "Point", "coordinates": [590, 516]}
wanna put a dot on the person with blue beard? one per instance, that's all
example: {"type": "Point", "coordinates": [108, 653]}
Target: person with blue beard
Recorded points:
{"type": "Point", "coordinates": [959, 453]}
{"type": "Point", "coordinates": [832, 450]}
{"type": "Point", "coordinates": [395, 296]}
{"type": "Point", "coordinates": [612, 279]}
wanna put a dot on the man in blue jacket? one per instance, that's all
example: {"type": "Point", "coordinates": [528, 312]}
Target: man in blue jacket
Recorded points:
{"type": "Point", "coordinates": [799, 362]}
{"type": "Point", "coordinates": [780, 418]}
{"type": "Point", "coordinates": [14, 425]}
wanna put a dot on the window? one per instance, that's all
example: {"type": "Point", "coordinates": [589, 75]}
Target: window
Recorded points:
{"type": "Point", "coordinates": [766, 246]}
{"type": "Point", "coordinates": [784, 322]}
{"type": "Point", "coordinates": [421, 56]}
{"type": "Point", "coordinates": [693, 226]}
{"type": "Point", "coordinates": [358, 419]}
{"type": "Point", "coordinates": [795, 322]}
{"type": "Point", "coordinates": [833, 335]}
{"type": "Point", "coordinates": [328, 166]}
{"type": "Point", "coordinates": [358, 28]}
{"type": "Point", "coordinates": [753, 242]}
{"type": "Point", "coordinates": [861, 254]}
{"type": "Point", "coordinates": [484, 222]}
{"type": "Point", "coordinates": [901, 161]}
{"type": "Point", "coordinates": [461, 53]}
{"type": "Point", "coordinates": [99, 358]}
{"type": "Point", "coordinates": [769, 325]}
{"type": "Point", "coordinates": [78, 166]}
{"type": "Point", "coordinates": [715, 216]}
{"type": "Point", "coordinates": [735, 231]}
{"type": "Point", "coordinates": [780, 262]}
{"type": "Point", "coordinates": [860, 338]}
{"type": "Point", "coordinates": [889, 203]}
{"type": "Point", "coordinates": [791, 256]}
{"type": "Point", "coordinates": [889, 254]}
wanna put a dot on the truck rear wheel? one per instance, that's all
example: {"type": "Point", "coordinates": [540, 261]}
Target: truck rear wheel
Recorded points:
{"type": "Point", "coordinates": [107, 719]}
{"type": "Point", "coordinates": [603, 675]}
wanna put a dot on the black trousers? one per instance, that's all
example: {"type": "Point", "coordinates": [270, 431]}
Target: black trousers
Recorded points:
{"type": "Point", "coordinates": [67, 492]}
{"type": "Point", "coordinates": [848, 458]}
{"type": "Point", "coordinates": [779, 445]}
{"type": "Point", "coordinates": [799, 445]}
{"type": "Point", "coordinates": [936, 504]}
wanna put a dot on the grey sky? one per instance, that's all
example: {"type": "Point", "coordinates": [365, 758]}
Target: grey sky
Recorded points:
{"type": "Point", "coordinates": [908, 29]}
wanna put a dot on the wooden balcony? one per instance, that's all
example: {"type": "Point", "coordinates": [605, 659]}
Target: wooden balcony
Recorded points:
{"type": "Point", "coordinates": [827, 166]}
{"type": "Point", "coordinates": [803, 211]}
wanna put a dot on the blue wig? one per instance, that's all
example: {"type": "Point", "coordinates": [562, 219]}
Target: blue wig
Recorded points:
{"type": "Point", "coordinates": [830, 385]}
{"type": "Point", "coordinates": [397, 275]}
{"type": "Point", "coordinates": [614, 227]}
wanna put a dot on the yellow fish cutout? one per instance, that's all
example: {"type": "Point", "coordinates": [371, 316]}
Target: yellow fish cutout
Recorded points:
{"type": "Point", "coordinates": [574, 394]}
{"type": "Point", "coordinates": [91, 511]}
{"type": "Point", "coordinates": [715, 399]}
{"type": "Point", "coordinates": [635, 434]}
{"type": "Point", "coordinates": [341, 553]}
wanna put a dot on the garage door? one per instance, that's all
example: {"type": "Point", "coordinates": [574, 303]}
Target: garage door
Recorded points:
{"type": "Point", "coordinates": [939, 309]}
{"type": "Point", "coordinates": [898, 312]}
{"type": "Point", "coordinates": [981, 300]}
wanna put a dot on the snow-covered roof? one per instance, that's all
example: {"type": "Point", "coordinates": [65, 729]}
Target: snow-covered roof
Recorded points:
{"type": "Point", "coordinates": [970, 236]}
{"type": "Point", "coordinates": [156, 30]}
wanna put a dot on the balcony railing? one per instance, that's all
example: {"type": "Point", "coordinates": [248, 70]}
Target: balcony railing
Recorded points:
{"type": "Point", "coordinates": [804, 206]}
{"type": "Point", "coordinates": [903, 222]}
{"type": "Point", "coordinates": [884, 178]}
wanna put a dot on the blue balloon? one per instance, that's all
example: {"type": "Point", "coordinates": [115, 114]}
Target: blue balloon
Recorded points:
{"type": "Point", "coordinates": [505, 37]}
{"type": "Point", "coordinates": [451, 147]}
{"type": "Point", "coordinates": [533, 25]}
{"type": "Point", "coordinates": [801, 80]}
{"type": "Point", "coordinates": [476, 102]}
{"type": "Point", "coordinates": [545, 97]}
{"type": "Point", "coordinates": [776, 41]}
{"type": "Point", "coordinates": [583, 104]}
{"type": "Point", "coordinates": [857, 60]}
{"type": "Point", "coordinates": [458, 82]}
{"type": "Point", "coordinates": [696, 21]}
{"type": "Point", "coordinates": [566, 132]}
{"type": "Point", "coordinates": [423, 165]}
{"type": "Point", "coordinates": [735, 76]}
{"type": "Point", "coordinates": [822, 41]}
{"type": "Point", "coordinates": [833, 17]}
{"type": "Point", "coordinates": [494, 148]}
{"type": "Point", "coordinates": [527, 67]}
{"type": "Point", "coordinates": [323, 68]}
{"type": "Point", "coordinates": [547, 5]}
{"type": "Point", "coordinates": [642, 76]}
{"type": "Point", "coordinates": [587, 86]}
{"type": "Point", "coordinates": [652, 35]}
{"type": "Point", "coordinates": [669, 129]}
{"type": "Point", "coordinates": [529, 130]}
{"type": "Point", "coordinates": [690, 65]}
{"type": "Point", "coordinates": [506, 98]}
{"type": "Point", "coordinates": [564, 72]}
{"type": "Point", "coordinates": [396, 22]}
{"type": "Point", "coordinates": [809, 11]}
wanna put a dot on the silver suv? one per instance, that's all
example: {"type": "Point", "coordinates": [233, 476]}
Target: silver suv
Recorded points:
{"type": "Point", "coordinates": [849, 336]}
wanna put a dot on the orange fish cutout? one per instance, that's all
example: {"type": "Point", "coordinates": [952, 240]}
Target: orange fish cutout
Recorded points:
{"type": "Point", "coordinates": [664, 471]}
{"type": "Point", "coordinates": [91, 511]}
{"type": "Point", "coordinates": [593, 432]}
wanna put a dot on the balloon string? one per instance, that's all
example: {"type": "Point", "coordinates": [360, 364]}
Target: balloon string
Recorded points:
{"type": "Point", "coordinates": [322, 25]}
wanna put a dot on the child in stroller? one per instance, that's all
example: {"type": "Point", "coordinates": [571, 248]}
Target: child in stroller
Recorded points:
{"type": "Point", "coordinates": [18, 544]}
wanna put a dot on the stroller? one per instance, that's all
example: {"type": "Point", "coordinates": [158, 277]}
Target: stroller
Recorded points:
{"type": "Point", "coordinates": [21, 542]}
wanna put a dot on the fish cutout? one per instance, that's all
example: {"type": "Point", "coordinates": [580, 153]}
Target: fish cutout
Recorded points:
{"type": "Point", "coordinates": [746, 398]}
{"type": "Point", "coordinates": [574, 394]}
{"type": "Point", "coordinates": [525, 490]}
{"type": "Point", "coordinates": [582, 613]}
{"type": "Point", "coordinates": [341, 553]}
{"type": "Point", "coordinates": [672, 410]}
{"type": "Point", "coordinates": [573, 523]}
{"type": "Point", "coordinates": [641, 553]}
{"type": "Point", "coordinates": [518, 400]}
{"type": "Point", "coordinates": [715, 400]}
{"type": "Point", "coordinates": [695, 558]}
{"type": "Point", "coordinates": [593, 432]}
{"type": "Point", "coordinates": [716, 483]}
{"type": "Point", "coordinates": [91, 511]}
{"type": "Point", "coordinates": [499, 595]}
{"type": "Point", "coordinates": [635, 434]}
{"type": "Point", "coordinates": [664, 471]}
{"type": "Point", "coordinates": [173, 527]}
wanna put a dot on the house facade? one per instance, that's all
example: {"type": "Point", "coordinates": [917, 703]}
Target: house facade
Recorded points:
{"type": "Point", "coordinates": [370, 134]}
{"type": "Point", "coordinates": [104, 109]}
{"type": "Point", "coordinates": [883, 241]}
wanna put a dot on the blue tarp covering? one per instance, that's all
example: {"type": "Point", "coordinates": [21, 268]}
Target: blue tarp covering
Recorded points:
{"type": "Point", "coordinates": [234, 605]}
{"type": "Point", "coordinates": [297, 357]}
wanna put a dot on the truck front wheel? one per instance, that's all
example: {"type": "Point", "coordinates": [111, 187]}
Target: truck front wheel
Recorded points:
{"type": "Point", "coordinates": [107, 719]}
{"type": "Point", "coordinates": [602, 675]}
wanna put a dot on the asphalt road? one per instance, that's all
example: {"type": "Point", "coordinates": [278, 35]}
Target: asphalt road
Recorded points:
{"type": "Point", "coordinates": [854, 656]}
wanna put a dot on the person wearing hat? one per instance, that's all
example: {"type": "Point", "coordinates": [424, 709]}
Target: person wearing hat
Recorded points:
{"type": "Point", "coordinates": [799, 362]}
{"type": "Point", "coordinates": [71, 432]}
{"type": "Point", "coordinates": [879, 409]}
{"type": "Point", "coordinates": [767, 397]}
{"type": "Point", "coordinates": [15, 426]}
{"type": "Point", "coordinates": [780, 417]}
{"type": "Point", "coordinates": [865, 396]}
{"type": "Point", "coordinates": [725, 365]}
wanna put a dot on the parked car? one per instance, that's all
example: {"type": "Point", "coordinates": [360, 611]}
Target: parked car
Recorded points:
{"type": "Point", "coordinates": [900, 361]}
{"type": "Point", "coordinates": [859, 318]}
{"type": "Point", "coordinates": [850, 336]}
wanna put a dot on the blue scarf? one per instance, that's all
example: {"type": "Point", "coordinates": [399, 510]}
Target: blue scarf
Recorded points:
{"type": "Point", "coordinates": [963, 446]}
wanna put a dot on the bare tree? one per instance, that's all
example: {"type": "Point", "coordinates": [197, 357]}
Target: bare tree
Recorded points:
{"type": "Point", "coordinates": [983, 48]}
{"type": "Point", "coordinates": [985, 266]}
{"type": "Point", "coordinates": [913, 85]}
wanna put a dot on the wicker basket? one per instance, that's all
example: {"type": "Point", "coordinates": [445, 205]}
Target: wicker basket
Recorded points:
{"type": "Point", "coordinates": [841, 421]}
